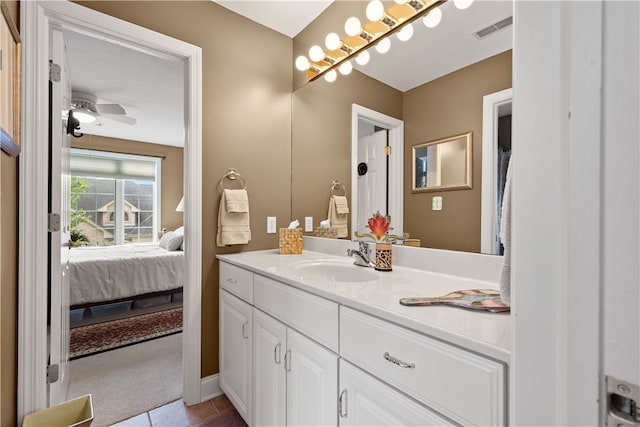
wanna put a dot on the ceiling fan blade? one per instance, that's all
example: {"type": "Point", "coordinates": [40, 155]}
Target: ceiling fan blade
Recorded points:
{"type": "Point", "coordinates": [122, 119]}
{"type": "Point", "coordinates": [110, 109]}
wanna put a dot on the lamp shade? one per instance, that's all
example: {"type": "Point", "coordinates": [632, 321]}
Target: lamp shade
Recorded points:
{"type": "Point", "coordinates": [180, 207]}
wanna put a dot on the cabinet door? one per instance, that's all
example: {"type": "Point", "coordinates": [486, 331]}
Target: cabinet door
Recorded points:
{"type": "Point", "coordinates": [235, 352]}
{"type": "Point", "coordinates": [269, 376]}
{"type": "Point", "coordinates": [366, 401]}
{"type": "Point", "coordinates": [312, 382]}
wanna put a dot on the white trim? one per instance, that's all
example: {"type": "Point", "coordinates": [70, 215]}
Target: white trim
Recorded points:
{"type": "Point", "coordinates": [490, 105]}
{"type": "Point", "coordinates": [396, 165]}
{"type": "Point", "coordinates": [37, 17]}
{"type": "Point", "coordinates": [210, 387]}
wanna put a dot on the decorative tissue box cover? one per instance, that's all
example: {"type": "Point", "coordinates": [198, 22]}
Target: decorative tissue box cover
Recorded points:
{"type": "Point", "coordinates": [291, 240]}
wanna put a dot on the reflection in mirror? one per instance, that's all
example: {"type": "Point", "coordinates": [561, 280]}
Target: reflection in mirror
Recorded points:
{"type": "Point", "coordinates": [444, 164]}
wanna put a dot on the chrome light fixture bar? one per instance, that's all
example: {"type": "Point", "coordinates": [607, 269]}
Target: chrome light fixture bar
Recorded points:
{"type": "Point", "coordinates": [382, 24]}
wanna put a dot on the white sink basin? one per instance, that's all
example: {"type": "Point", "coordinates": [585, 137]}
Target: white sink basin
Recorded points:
{"type": "Point", "coordinates": [335, 271]}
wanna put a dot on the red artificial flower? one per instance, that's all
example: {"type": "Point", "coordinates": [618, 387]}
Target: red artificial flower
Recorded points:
{"type": "Point", "coordinates": [379, 225]}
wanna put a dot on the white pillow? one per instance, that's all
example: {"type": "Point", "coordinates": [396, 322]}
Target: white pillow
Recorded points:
{"type": "Point", "coordinates": [171, 241]}
{"type": "Point", "coordinates": [180, 230]}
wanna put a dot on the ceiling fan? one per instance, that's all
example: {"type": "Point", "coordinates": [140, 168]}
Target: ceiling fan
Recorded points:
{"type": "Point", "coordinates": [86, 110]}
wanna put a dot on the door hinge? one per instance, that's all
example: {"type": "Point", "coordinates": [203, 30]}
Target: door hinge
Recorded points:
{"type": "Point", "coordinates": [54, 72]}
{"type": "Point", "coordinates": [387, 150]}
{"type": "Point", "coordinates": [53, 373]}
{"type": "Point", "coordinates": [0, 59]}
{"type": "Point", "coordinates": [53, 222]}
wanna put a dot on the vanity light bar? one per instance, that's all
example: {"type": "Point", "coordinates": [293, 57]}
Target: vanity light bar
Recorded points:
{"type": "Point", "coordinates": [393, 20]}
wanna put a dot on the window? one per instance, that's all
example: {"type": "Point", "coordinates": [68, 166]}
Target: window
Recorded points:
{"type": "Point", "coordinates": [115, 198]}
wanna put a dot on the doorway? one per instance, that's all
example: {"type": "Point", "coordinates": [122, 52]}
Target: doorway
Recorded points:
{"type": "Point", "coordinates": [33, 350]}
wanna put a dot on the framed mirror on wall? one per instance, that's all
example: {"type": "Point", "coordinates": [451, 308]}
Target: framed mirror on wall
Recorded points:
{"type": "Point", "coordinates": [444, 164]}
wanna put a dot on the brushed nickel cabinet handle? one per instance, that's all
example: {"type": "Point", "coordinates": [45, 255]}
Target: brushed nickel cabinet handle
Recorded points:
{"type": "Point", "coordinates": [287, 361]}
{"type": "Point", "coordinates": [277, 357]}
{"type": "Point", "coordinates": [244, 330]}
{"type": "Point", "coordinates": [342, 404]}
{"type": "Point", "coordinates": [398, 362]}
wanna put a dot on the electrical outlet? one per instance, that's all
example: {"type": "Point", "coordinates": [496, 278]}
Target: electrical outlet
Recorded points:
{"type": "Point", "coordinates": [271, 224]}
{"type": "Point", "coordinates": [308, 223]}
{"type": "Point", "coordinates": [436, 203]}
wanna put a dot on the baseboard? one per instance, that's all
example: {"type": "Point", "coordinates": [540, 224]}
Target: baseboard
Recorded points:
{"type": "Point", "coordinates": [210, 387]}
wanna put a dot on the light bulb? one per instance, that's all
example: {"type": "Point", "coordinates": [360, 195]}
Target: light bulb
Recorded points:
{"type": "Point", "coordinates": [462, 4]}
{"type": "Point", "coordinates": [345, 68]}
{"type": "Point", "coordinates": [316, 53]}
{"type": "Point", "coordinates": [363, 58]}
{"type": "Point", "coordinates": [84, 116]}
{"type": "Point", "coordinates": [375, 10]}
{"type": "Point", "coordinates": [405, 33]}
{"type": "Point", "coordinates": [302, 63]}
{"type": "Point", "coordinates": [352, 26]}
{"type": "Point", "coordinates": [332, 41]}
{"type": "Point", "coordinates": [383, 45]}
{"type": "Point", "coordinates": [331, 76]}
{"type": "Point", "coordinates": [433, 18]}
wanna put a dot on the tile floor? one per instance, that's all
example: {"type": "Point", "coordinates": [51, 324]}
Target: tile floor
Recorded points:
{"type": "Point", "coordinates": [217, 412]}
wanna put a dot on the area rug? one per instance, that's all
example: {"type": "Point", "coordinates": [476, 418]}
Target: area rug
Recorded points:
{"type": "Point", "coordinates": [92, 339]}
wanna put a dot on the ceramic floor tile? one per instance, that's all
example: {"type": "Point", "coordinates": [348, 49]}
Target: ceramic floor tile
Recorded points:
{"type": "Point", "coordinates": [229, 418]}
{"type": "Point", "coordinates": [141, 420]}
{"type": "Point", "coordinates": [221, 402]}
{"type": "Point", "coordinates": [178, 414]}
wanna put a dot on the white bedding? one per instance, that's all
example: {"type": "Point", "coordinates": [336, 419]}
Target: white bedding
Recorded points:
{"type": "Point", "coordinates": [105, 273]}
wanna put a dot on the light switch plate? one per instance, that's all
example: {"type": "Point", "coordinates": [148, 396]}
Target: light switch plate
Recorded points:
{"type": "Point", "coordinates": [436, 203]}
{"type": "Point", "coordinates": [271, 224]}
{"type": "Point", "coordinates": [308, 223]}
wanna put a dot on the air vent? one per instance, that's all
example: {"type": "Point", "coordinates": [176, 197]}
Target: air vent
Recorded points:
{"type": "Point", "coordinates": [493, 28]}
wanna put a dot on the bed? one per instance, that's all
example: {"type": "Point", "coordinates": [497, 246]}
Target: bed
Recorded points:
{"type": "Point", "coordinates": [103, 274]}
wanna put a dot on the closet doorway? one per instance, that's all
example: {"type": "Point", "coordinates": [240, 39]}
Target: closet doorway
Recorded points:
{"type": "Point", "coordinates": [39, 19]}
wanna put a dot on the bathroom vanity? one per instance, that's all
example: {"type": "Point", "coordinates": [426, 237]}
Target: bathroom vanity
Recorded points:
{"type": "Point", "coordinates": [312, 339]}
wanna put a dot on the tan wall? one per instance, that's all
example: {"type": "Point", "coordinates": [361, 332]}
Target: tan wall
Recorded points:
{"type": "Point", "coordinates": [8, 275]}
{"type": "Point", "coordinates": [246, 123]}
{"type": "Point", "coordinates": [444, 107]}
{"type": "Point", "coordinates": [172, 166]}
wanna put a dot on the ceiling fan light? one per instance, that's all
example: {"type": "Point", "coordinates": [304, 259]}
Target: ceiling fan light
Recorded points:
{"type": "Point", "coordinates": [433, 18]}
{"type": "Point", "coordinates": [375, 10]}
{"type": "Point", "coordinates": [332, 41]}
{"type": "Point", "coordinates": [405, 33]}
{"type": "Point", "coordinates": [84, 116]}
{"type": "Point", "coordinates": [316, 53]}
{"type": "Point", "coordinates": [462, 4]}
{"type": "Point", "coordinates": [302, 63]}
{"type": "Point", "coordinates": [345, 68]}
{"type": "Point", "coordinates": [331, 76]}
{"type": "Point", "coordinates": [383, 45]}
{"type": "Point", "coordinates": [400, 1]}
{"type": "Point", "coordinates": [363, 58]}
{"type": "Point", "coordinates": [352, 26]}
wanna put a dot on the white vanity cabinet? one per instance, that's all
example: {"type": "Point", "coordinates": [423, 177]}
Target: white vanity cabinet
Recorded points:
{"type": "Point", "coordinates": [236, 352]}
{"type": "Point", "coordinates": [366, 401]}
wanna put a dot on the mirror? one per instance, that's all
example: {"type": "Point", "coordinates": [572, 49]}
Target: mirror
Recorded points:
{"type": "Point", "coordinates": [444, 164]}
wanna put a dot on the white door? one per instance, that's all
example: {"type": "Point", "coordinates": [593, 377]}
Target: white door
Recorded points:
{"type": "Point", "coordinates": [372, 186]}
{"type": "Point", "coordinates": [366, 401]}
{"type": "Point", "coordinates": [59, 206]}
{"type": "Point", "coordinates": [235, 352]}
{"type": "Point", "coordinates": [312, 383]}
{"type": "Point", "coordinates": [269, 378]}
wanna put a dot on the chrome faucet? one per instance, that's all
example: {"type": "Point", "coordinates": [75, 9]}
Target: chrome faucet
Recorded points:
{"type": "Point", "coordinates": [362, 255]}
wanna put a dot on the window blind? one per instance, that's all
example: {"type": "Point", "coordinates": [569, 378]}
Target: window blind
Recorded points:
{"type": "Point", "coordinates": [112, 165]}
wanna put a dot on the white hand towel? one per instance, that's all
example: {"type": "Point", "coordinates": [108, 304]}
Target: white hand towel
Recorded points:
{"type": "Point", "coordinates": [339, 220]}
{"type": "Point", "coordinates": [236, 200]}
{"type": "Point", "coordinates": [233, 227]}
{"type": "Point", "coordinates": [505, 237]}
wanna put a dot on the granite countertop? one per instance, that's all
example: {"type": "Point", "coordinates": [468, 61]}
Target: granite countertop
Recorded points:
{"type": "Point", "coordinates": [488, 334]}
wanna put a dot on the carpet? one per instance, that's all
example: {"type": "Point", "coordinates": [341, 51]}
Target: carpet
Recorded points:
{"type": "Point", "coordinates": [130, 380]}
{"type": "Point", "coordinates": [100, 337]}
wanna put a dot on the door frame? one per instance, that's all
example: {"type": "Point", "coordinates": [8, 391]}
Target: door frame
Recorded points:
{"type": "Point", "coordinates": [36, 20]}
{"type": "Point", "coordinates": [490, 109]}
{"type": "Point", "coordinates": [396, 163]}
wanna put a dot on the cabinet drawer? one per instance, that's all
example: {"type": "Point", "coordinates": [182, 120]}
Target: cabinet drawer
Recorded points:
{"type": "Point", "coordinates": [237, 280]}
{"type": "Point", "coordinates": [313, 316]}
{"type": "Point", "coordinates": [461, 385]}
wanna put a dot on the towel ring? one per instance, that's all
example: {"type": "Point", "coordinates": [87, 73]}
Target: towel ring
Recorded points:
{"type": "Point", "coordinates": [232, 175]}
{"type": "Point", "coordinates": [336, 185]}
